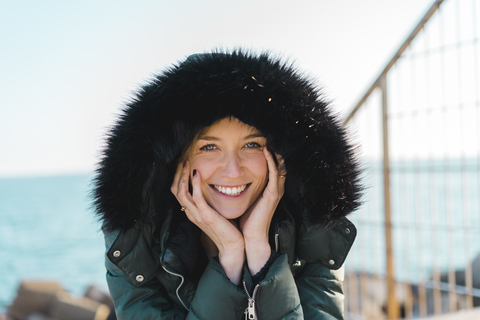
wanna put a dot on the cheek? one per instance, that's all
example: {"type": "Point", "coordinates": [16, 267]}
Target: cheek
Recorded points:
{"type": "Point", "coordinates": [202, 165]}
{"type": "Point", "coordinates": [259, 168]}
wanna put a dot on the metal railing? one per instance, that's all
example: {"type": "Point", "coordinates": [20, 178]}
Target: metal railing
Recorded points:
{"type": "Point", "coordinates": [419, 129]}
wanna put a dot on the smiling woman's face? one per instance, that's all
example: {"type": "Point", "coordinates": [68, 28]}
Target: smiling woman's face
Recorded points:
{"type": "Point", "coordinates": [233, 169]}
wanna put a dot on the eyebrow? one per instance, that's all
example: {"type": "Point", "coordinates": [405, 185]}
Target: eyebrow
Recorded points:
{"type": "Point", "coordinates": [250, 136]}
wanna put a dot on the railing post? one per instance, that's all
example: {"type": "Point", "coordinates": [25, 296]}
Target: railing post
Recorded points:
{"type": "Point", "coordinates": [392, 307]}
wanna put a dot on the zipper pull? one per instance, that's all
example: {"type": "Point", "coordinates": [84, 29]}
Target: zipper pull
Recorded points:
{"type": "Point", "coordinates": [251, 310]}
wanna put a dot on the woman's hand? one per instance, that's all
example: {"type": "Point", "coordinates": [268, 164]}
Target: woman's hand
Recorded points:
{"type": "Point", "coordinates": [255, 223]}
{"type": "Point", "coordinates": [224, 234]}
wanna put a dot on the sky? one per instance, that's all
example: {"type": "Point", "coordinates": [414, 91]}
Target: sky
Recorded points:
{"type": "Point", "coordinates": [67, 68]}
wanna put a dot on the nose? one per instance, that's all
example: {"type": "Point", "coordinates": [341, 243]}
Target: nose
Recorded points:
{"type": "Point", "coordinates": [232, 168]}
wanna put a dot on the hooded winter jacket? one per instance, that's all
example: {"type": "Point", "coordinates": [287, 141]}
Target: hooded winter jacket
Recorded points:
{"type": "Point", "coordinates": [156, 266]}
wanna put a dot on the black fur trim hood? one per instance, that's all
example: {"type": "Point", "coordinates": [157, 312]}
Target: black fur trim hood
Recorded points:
{"type": "Point", "coordinates": [258, 89]}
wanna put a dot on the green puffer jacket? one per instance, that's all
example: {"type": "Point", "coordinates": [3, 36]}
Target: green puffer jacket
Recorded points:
{"type": "Point", "coordinates": [156, 265]}
{"type": "Point", "coordinates": [146, 279]}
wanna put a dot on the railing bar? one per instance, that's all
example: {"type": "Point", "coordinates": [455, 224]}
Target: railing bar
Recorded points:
{"type": "Point", "coordinates": [444, 286]}
{"type": "Point", "coordinates": [446, 175]}
{"type": "Point", "coordinates": [418, 214]}
{"type": "Point", "coordinates": [465, 211]}
{"type": "Point", "coordinates": [395, 57]}
{"type": "Point", "coordinates": [407, 201]}
{"type": "Point", "coordinates": [450, 221]}
{"type": "Point", "coordinates": [392, 309]}
{"type": "Point", "coordinates": [446, 107]}
{"type": "Point", "coordinates": [376, 299]}
{"type": "Point", "coordinates": [402, 195]}
{"type": "Point", "coordinates": [437, 303]}
{"type": "Point", "coordinates": [397, 167]}
{"type": "Point", "coordinates": [426, 227]}
{"type": "Point", "coordinates": [364, 300]}
{"type": "Point", "coordinates": [437, 299]}
{"type": "Point", "coordinates": [476, 67]}
{"type": "Point", "coordinates": [403, 242]}
{"type": "Point", "coordinates": [446, 47]}
{"type": "Point", "coordinates": [448, 204]}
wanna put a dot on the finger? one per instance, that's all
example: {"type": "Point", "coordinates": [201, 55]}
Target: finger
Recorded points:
{"type": "Point", "coordinates": [272, 185]}
{"type": "Point", "coordinates": [282, 175]}
{"type": "Point", "coordinates": [183, 195]}
{"type": "Point", "coordinates": [282, 171]}
{"type": "Point", "coordinates": [197, 194]}
{"type": "Point", "coordinates": [176, 178]}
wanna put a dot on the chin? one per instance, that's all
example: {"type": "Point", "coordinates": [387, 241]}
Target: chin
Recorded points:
{"type": "Point", "coordinates": [230, 213]}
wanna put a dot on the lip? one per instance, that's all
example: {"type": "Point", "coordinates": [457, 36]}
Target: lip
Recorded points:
{"type": "Point", "coordinates": [233, 186]}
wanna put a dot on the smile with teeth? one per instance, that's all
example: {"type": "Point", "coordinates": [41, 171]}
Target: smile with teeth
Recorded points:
{"type": "Point", "coordinates": [230, 191]}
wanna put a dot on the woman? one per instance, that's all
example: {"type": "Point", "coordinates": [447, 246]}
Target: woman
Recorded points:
{"type": "Point", "coordinates": [223, 191]}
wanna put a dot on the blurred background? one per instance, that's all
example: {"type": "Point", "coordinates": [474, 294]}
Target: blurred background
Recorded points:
{"type": "Point", "coordinates": [67, 68]}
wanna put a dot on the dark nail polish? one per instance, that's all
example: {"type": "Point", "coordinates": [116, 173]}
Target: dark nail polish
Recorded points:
{"type": "Point", "coordinates": [194, 172]}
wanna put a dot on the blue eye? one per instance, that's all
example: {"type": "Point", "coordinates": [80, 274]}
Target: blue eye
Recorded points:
{"type": "Point", "coordinates": [252, 145]}
{"type": "Point", "coordinates": [208, 147]}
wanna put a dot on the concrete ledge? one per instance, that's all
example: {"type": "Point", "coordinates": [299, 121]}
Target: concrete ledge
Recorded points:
{"type": "Point", "coordinates": [43, 300]}
{"type": "Point", "coordinates": [66, 307]}
{"type": "Point", "coordinates": [468, 314]}
{"type": "Point", "coordinates": [34, 296]}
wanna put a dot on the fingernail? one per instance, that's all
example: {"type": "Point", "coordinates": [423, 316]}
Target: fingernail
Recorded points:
{"type": "Point", "coordinates": [194, 172]}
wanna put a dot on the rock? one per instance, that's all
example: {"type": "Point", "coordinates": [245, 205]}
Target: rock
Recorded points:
{"type": "Point", "coordinates": [66, 307]}
{"type": "Point", "coordinates": [34, 297]}
{"type": "Point", "coordinates": [95, 294]}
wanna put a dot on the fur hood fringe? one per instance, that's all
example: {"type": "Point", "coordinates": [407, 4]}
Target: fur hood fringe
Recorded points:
{"type": "Point", "coordinates": [323, 175]}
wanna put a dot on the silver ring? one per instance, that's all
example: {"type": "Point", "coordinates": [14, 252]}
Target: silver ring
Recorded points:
{"type": "Point", "coordinates": [184, 181]}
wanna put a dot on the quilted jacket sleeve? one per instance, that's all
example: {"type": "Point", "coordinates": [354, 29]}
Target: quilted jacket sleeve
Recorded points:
{"type": "Point", "coordinates": [321, 292]}
{"type": "Point", "coordinates": [215, 298]}
{"type": "Point", "coordinates": [314, 289]}
{"type": "Point", "coordinates": [151, 301]}
{"type": "Point", "coordinates": [276, 296]}
{"type": "Point", "coordinates": [322, 253]}
{"type": "Point", "coordinates": [315, 295]}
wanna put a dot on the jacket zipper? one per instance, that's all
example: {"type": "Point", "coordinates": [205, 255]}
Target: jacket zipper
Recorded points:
{"type": "Point", "coordinates": [250, 310]}
{"type": "Point", "coordinates": [181, 283]}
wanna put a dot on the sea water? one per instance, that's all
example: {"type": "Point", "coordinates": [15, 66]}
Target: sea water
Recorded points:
{"type": "Point", "coordinates": [48, 232]}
